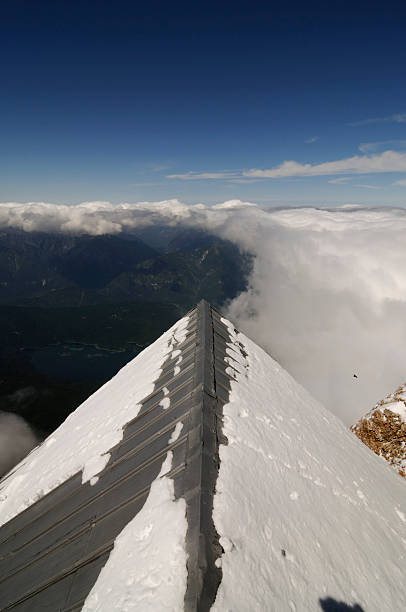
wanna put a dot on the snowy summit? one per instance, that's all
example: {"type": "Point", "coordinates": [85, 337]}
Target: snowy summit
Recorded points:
{"type": "Point", "coordinates": [202, 476]}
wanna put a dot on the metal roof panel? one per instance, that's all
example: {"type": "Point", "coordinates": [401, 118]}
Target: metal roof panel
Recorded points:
{"type": "Point", "coordinates": [52, 552]}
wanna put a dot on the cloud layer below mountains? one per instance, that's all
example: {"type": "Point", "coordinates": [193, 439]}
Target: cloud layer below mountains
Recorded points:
{"type": "Point", "coordinates": [327, 294]}
{"type": "Point", "coordinates": [16, 440]}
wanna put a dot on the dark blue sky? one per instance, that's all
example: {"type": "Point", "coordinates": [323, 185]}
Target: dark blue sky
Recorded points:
{"type": "Point", "coordinates": [129, 101]}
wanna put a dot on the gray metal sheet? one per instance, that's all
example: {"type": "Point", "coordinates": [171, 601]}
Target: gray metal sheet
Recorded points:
{"type": "Point", "coordinates": [52, 553]}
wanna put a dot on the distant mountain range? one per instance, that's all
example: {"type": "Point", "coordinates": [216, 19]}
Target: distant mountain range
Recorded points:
{"type": "Point", "coordinates": [75, 308]}
{"type": "Point", "coordinates": [63, 270]}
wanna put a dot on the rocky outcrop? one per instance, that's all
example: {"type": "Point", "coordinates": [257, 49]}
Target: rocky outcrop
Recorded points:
{"type": "Point", "coordinates": [383, 429]}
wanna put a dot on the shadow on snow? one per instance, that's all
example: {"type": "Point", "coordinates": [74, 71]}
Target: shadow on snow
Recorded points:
{"type": "Point", "coordinates": [332, 605]}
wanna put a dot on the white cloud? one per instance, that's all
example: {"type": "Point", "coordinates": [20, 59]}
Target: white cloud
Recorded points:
{"type": "Point", "coordinates": [396, 118]}
{"type": "Point", "coordinates": [16, 440]}
{"type": "Point", "coordinates": [402, 183]}
{"type": "Point", "coordinates": [243, 181]}
{"type": "Point", "coordinates": [311, 140]}
{"type": "Point", "coordinates": [340, 180]}
{"type": "Point", "coordinates": [388, 161]}
{"type": "Point", "coordinates": [372, 147]}
{"type": "Point", "coordinates": [328, 299]}
{"type": "Point", "coordinates": [93, 218]}
{"type": "Point", "coordinates": [327, 294]}
{"type": "Point", "coordinates": [366, 186]}
{"type": "Point", "coordinates": [193, 176]}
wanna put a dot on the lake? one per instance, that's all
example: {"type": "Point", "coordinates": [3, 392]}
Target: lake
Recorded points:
{"type": "Point", "coordinates": [80, 362]}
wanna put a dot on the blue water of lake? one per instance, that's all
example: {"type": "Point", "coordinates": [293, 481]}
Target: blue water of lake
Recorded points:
{"type": "Point", "coordinates": [80, 361]}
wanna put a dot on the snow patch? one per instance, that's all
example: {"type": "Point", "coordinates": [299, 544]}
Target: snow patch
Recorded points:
{"type": "Point", "coordinates": [401, 515]}
{"type": "Point", "coordinates": [176, 432]}
{"type": "Point", "coordinates": [396, 407]}
{"type": "Point", "coordinates": [82, 443]}
{"type": "Point", "coordinates": [165, 403]}
{"type": "Point", "coordinates": [146, 569]}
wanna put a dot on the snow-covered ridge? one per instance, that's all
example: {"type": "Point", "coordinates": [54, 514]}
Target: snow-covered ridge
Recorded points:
{"type": "Point", "coordinates": [304, 513]}
{"type": "Point", "coordinates": [303, 510]}
{"type": "Point", "coordinates": [147, 566]}
{"type": "Point", "coordinates": [383, 429]}
{"type": "Point", "coordinates": [82, 443]}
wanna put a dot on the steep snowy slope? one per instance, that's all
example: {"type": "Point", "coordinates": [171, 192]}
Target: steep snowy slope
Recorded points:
{"type": "Point", "coordinates": [90, 492]}
{"type": "Point", "coordinates": [259, 498]}
{"type": "Point", "coordinates": [303, 512]}
{"type": "Point", "coordinates": [383, 429]}
{"type": "Point", "coordinates": [83, 441]}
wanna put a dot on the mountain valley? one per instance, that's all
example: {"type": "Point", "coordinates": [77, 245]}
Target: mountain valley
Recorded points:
{"type": "Point", "coordinates": [76, 308]}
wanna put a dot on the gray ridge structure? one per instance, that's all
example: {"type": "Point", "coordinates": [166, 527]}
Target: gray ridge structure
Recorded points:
{"type": "Point", "coordinates": [52, 553]}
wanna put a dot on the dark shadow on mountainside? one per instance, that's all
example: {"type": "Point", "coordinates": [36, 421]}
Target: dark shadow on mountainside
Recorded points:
{"type": "Point", "coordinates": [332, 605]}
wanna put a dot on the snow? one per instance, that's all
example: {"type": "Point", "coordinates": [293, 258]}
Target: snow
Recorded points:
{"type": "Point", "coordinates": [82, 443]}
{"type": "Point", "coordinates": [176, 432]}
{"type": "Point", "coordinates": [303, 510]}
{"type": "Point", "coordinates": [146, 569]}
{"type": "Point", "coordinates": [398, 407]}
{"type": "Point", "coordinates": [165, 403]}
{"type": "Point", "coordinates": [395, 402]}
{"type": "Point", "coordinates": [179, 360]}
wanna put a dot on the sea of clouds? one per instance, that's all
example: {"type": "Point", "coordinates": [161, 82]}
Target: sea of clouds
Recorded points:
{"type": "Point", "coordinates": [16, 440]}
{"type": "Point", "coordinates": [326, 296]}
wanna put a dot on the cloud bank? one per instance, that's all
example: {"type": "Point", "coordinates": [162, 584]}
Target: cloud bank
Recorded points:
{"type": "Point", "coordinates": [387, 161]}
{"type": "Point", "coordinates": [16, 440]}
{"type": "Point", "coordinates": [372, 147]}
{"type": "Point", "coordinates": [327, 294]}
{"type": "Point", "coordinates": [396, 118]}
